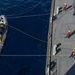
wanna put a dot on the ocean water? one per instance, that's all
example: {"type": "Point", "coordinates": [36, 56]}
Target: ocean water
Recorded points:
{"type": "Point", "coordinates": [23, 52]}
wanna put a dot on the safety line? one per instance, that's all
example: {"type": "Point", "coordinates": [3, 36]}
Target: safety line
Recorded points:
{"type": "Point", "coordinates": [34, 55]}
{"type": "Point", "coordinates": [27, 34]}
{"type": "Point", "coordinates": [28, 16]}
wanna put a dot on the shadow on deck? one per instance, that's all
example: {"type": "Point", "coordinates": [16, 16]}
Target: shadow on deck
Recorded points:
{"type": "Point", "coordinates": [71, 71]}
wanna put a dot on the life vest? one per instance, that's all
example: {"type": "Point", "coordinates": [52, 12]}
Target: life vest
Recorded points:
{"type": "Point", "coordinates": [69, 32]}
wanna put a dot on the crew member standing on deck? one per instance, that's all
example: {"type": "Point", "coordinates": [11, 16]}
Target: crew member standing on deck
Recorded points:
{"type": "Point", "coordinates": [72, 55]}
{"type": "Point", "coordinates": [65, 6]}
{"type": "Point", "coordinates": [68, 33]}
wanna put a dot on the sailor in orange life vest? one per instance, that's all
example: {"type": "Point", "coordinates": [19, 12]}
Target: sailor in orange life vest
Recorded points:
{"type": "Point", "coordinates": [65, 6]}
{"type": "Point", "coordinates": [68, 33]}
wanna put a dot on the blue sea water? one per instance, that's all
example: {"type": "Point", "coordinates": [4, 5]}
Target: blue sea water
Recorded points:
{"type": "Point", "coordinates": [17, 43]}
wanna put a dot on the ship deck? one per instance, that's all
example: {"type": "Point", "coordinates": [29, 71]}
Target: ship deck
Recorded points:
{"type": "Point", "coordinates": [62, 63]}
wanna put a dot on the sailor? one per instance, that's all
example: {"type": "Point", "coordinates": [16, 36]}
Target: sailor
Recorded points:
{"type": "Point", "coordinates": [72, 55]}
{"type": "Point", "coordinates": [65, 6]}
{"type": "Point", "coordinates": [68, 33]}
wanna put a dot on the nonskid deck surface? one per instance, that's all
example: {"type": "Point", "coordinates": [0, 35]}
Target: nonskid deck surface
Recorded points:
{"type": "Point", "coordinates": [64, 64]}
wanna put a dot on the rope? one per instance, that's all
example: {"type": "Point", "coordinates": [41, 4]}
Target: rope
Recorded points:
{"type": "Point", "coordinates": [28, 34]}
{"type": "Point", "coordinates": [28, 16]}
